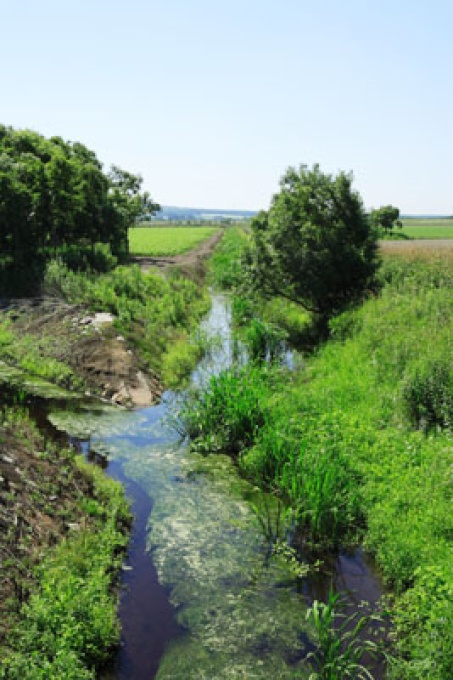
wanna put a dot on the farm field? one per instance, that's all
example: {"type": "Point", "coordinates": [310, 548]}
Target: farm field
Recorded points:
{"type": "Point", "coordinates": [159, 241]}
{"type": "Point", "coordinates": [433, 228]}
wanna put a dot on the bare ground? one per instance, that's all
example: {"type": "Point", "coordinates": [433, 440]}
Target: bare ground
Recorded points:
{"type": "Point", "coordinates": [89, 344]}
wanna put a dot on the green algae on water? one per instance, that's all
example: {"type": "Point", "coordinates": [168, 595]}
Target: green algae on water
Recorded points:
{"type": "Point", "coordinates": [237, 600]}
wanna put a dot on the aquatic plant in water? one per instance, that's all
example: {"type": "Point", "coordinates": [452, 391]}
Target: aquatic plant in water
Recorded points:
{"type": "Point", "coordinates": [343, 641]}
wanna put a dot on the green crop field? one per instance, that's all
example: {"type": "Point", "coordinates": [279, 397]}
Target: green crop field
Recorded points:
{"type": "Point", "coordinates": [159, 241]}
{"type": "Point", "coordinates": [414, 227]}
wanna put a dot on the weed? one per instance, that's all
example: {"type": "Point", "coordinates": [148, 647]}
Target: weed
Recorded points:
{"type": "Point", "coordinates": [341, 643]}
{"type": "Point", "coordinates": [428, 395]}
{"type": "Point", "coordinates": [227, 416]}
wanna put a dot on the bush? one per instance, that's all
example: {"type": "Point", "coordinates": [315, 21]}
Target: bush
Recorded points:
{"type": "Point", "coordinates": [428, 395]}
{"type": "Point", "coordinates": [97, 258]}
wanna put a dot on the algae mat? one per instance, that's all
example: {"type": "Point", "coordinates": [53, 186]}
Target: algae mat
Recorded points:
{"type": "Point", "coordinates": [238, 603]}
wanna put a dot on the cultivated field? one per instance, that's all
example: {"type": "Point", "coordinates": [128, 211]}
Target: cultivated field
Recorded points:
{"type": "Point", "coordinates": [160, 241]}
{"type": "Point", "coordinates": [433, 228]}
{"type": "Point", "coordinates": [420, 249]}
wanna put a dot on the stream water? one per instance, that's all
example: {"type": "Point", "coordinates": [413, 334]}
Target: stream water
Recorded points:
{"type": "Point", "coordinates": [202, 594]}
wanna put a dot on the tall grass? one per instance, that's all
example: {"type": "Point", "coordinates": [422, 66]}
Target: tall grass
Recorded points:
{"type": "Point", "coordinates": [342, 646]}
{"type": "Point", "coordinates": [228, 415]}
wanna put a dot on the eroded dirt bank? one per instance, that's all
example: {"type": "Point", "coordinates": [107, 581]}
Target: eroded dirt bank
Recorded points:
{"type": "Point", "coordinates": [89, 343]}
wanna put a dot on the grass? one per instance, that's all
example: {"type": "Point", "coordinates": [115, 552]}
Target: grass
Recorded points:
{"type": "Point", "coordinates": [435, 228]}
{"type": "Point", "coordinates": [161, 241]}
{"type": "Point", "coordinates": [226, 266]}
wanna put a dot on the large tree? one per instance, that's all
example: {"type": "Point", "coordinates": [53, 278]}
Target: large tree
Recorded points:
{"type": "Point", "coordinates": [315, 245]}
{"type": "Point", "coordinates": [55, 194]}
{"type": "Point", "coordinates": [128, 204]}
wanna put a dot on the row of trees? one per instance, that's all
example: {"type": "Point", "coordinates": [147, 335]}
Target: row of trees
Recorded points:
{"type": "Point", "coordinates": [316, 245]}
{"type": "Point", "coordinates": [54, 193]}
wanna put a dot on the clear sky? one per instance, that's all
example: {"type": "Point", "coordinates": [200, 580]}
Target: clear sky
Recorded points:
{"type": "Point", "coordinates": [211, 100]}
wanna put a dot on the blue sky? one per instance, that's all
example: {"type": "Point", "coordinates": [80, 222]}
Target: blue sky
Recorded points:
{"type": "Point", "coordinates": [212, 100]}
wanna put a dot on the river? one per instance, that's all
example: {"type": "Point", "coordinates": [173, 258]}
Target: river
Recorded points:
{"type": "Point", "coordinates": [202, 594]}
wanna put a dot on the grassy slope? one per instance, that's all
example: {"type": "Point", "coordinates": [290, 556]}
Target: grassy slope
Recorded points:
{"type": "Point", "coordinates": [156, 314]}
{"type": "Point", "coordinates": [395, 346]}
{"type": "Point", "coordinates": [58, 607]}
{"type": "Point", "coordinates": [68, 625]}
{"type": "Point", "coordinates": [352, 442]}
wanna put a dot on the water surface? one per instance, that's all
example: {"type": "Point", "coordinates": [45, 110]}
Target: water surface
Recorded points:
{"type": "Point", "coordinates": [204, 594]}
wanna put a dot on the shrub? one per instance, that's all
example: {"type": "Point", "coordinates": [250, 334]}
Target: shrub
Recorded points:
{"type": "Point", "coordinates": [78, 258]}
{"type": "Point", "coordinates": [428, 395]}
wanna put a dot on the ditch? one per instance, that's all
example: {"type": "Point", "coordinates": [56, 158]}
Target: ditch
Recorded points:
{"type": "Point", "coordinates": [203, 593]}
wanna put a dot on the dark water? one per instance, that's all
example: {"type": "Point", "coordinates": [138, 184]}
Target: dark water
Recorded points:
{"type": "Point", "coordinates": [199, 596]}
{"type": "Point", "coordinates": [147, 618]}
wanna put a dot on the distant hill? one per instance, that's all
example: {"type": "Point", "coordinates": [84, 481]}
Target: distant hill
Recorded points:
{"type": "Point", "coordinates": [169, 212]}
{"type": "Point", "coordinates": [426, 217]}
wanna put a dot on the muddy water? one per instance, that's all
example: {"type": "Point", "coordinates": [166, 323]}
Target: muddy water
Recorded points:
{"type": "Point", "coordinates": [203, 595]}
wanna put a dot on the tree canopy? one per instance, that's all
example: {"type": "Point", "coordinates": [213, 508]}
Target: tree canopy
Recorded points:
{"type": "Point", "coordinates": [315, 244]}
{"type": "Point", "coordinates": [386, 218]}
{"type": "Point", "coordinates": [55, 193]}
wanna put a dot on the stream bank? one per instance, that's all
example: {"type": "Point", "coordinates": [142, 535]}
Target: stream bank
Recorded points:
{"type": "Point", "coordinates": [64, 532]}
